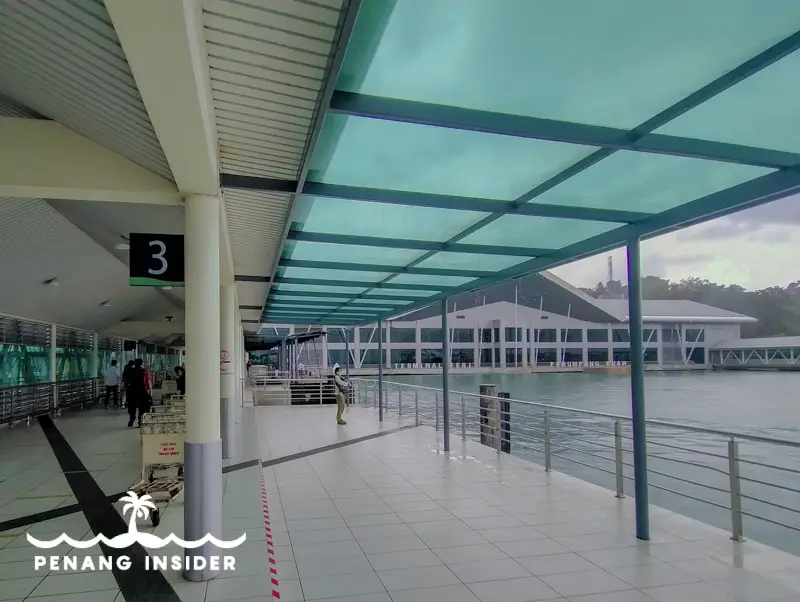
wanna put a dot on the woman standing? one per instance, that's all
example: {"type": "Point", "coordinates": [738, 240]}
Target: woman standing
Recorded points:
{"type": "Point", "coordinates": [341, 390]}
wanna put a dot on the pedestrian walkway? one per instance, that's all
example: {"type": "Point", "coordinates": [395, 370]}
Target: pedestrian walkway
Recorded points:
{"type": "Point", "coordinates": [391, 518]}
{"type": "Point", "coordinates": [31, 479]}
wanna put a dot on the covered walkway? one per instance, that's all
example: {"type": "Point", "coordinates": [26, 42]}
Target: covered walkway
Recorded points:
{"type": "Point", "coordinates": [175, 173]}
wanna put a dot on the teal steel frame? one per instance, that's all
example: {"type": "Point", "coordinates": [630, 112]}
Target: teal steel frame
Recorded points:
{"type": "Point", "coordinates": [637, 390]}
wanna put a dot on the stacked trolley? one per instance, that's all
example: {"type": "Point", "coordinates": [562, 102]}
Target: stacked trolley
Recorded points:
{"type": "Point", "coordinates": [163, 433]}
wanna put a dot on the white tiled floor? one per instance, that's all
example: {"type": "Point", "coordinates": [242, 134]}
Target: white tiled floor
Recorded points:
{"type": "Point", "coordinates": [393, 519]}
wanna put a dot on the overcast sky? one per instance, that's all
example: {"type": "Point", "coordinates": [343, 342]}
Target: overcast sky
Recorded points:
{"type": "Point", "coordinates": [756, 248]}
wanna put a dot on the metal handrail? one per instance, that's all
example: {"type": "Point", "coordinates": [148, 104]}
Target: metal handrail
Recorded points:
{"type": "Point", "coordinates": [654, 422]}
{"type": "Point", "coordinates": [493, 427]}
{"type": "Point", "coordinates": [45, 398]}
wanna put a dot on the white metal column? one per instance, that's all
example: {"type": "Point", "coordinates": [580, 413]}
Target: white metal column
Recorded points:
{"type": "Point", "coordinates": [227, 370]}
{"type": "Point", "coordinates": [203, 448]}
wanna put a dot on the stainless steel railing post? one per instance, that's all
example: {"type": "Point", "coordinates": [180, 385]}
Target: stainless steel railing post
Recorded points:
{"type": "Point", "coordinates": [498, 439]}
{"type": "Point", "coordinates": [547, 460]}
{"type": "Point", "coordinates": [618, 459]}
{"type": "Point", "coordinates": [463, 419]}
{"type": "Point", "coordinates": [436, 404]}
{"type": "Point", "coordinates": [736, 493]}
{"type": "Point", "coordinates": [416, 407]}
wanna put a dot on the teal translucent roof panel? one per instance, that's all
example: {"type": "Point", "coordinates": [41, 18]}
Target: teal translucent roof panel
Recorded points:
{"type": "Point", "coordinates": [374, 301]}
{"type": "Point", "coordinates": [278, 304]}
{"type": "Point", "coordinates": [435, 281]}
{"type": "Point", "coordinates": [613, 63]}
{"type": "Point", "coordinates": [343, 275]}
{"type": "Point", "coordinates": [527, 231]}
{"type": "Point", "coordinates": [373, 153]}
{"type": "Point", "coordinates": [314, 288]}
{"type": "Point", "coordinates": [382, 220]}
{"type": "Point", "coordinates": [306, 251]}
{"type": "Point", "coordinates": [301, 297]}
{"type": "Point", "coordinates": [647, 182]}
{"type": "Point", "coordinates": [483, 140]}
{"type": "Point", "coordinates": [761, 111]}
{"type": "Point", "coordinates": [380, 292]}
{"type": "Point", "coordinates": [471, 261]}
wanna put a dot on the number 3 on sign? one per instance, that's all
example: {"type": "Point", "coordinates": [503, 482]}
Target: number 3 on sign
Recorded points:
{"type": "Point", "coordinates": [162, 249]}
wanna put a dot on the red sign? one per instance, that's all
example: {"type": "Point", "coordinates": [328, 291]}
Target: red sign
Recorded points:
{"type": "Point", "coordinates": [168, 448]}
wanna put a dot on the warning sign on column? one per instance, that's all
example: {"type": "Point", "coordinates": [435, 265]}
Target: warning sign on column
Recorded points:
{"type": "Point", "coordinates": [225, 362]}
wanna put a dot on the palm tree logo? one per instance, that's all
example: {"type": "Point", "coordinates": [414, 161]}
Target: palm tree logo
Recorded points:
{"type": "Point", "coordinates": [139, 507]}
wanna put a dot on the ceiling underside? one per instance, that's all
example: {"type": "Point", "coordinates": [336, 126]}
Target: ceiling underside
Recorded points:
{"type": "Point", "coordinates": [62, 59]}
{"type": "Point", "coordinates": [470, 143]}
{"type": "Point", "coordinates": [267, 63]}
{"type": "Point", "coordinates": [39, 242]}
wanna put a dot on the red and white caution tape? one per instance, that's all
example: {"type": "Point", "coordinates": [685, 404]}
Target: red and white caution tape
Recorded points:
{"type": "Point", "coordinates": [273, 571]}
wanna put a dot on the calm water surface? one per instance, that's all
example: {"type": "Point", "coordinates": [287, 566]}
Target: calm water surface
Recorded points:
{"type": "Point", "coordinates": [756, 403]}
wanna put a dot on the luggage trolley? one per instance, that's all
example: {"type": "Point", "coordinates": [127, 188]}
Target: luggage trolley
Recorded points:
{"type": "Point", "coordinates": [163, 433]}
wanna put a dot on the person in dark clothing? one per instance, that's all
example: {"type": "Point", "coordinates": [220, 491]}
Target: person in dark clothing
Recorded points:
{"type": "Point", "coordinates": [180, 376]}
{"type": "Point", "coordinates": [126, 377]}
{"type": "Point", "coordinates": [138, 393]}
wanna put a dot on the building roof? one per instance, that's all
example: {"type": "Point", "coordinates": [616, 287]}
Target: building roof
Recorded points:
{"type": "Point", "coordinates": [543, 291]}
{"type": "Point", "coordinates": [551, 294]}
{"type": "Point", "coordinates": [668, 310]}
{"type": "Point", "coordinates": [760, 343]}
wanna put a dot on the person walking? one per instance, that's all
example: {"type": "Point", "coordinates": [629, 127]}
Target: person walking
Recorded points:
{"type": "Point", "coordinates": [112, 379]}
{"type": "Point", "coordinates": [126, 378]}
{"type": "Point", "coordinates": [138, 394]}
{"type": "Point", "coordinates": [341, 390]}
{"type": "Point", "coordinates": [180, 379]}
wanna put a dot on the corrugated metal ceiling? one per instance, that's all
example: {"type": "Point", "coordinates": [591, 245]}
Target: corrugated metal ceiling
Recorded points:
{"type": "Point", "coordinates": [62, 59]}
{"type": "Point", "coordinates": [255, 220]}
{"type": "Point", "coordinates": [11, 108]}
{"type": "Point", "coordinates": [268, 62]}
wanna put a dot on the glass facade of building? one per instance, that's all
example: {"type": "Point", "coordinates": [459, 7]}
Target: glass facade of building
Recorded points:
{"type": "Point", "coordinates": [404, 356]}
{"type": "Point", "coordinates": [403, 335]}
{"type": "Point", "coordinates": [463, 335]}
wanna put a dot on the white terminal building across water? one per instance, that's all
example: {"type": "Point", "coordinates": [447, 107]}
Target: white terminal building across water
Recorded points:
{"type": "Point", "coordinates": [536, 323]}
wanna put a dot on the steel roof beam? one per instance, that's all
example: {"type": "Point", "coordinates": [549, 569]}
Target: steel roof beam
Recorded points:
{"type": "Point", "coordinates": [392, 109]}
{"type": "Point", "coordinates": [164, 44]}
{"type": "Point", "coordinates": [389, 285]}
{"type": "Point", "coordinates": [283, 293]}
{"type": "Point", "coordinates": [391, 269]}
{"type": "Point", "coordinates": [437, 201]}
{"type": "Point", "coordinates": [329, 305]}
{"type": "Point", "coordinates": [420, 245]}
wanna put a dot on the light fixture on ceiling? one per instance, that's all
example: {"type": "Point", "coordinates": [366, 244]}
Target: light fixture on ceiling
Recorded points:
{"type": "Point", "coordinates": [122, 246]}
{"type": "Point", "coordinates": [105, 304]}
{"type": "Point", "coordinates": [166, 288]}
{"type": "Point", "coordinates": [51, 282]}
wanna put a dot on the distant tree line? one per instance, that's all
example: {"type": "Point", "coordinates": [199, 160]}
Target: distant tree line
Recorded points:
{"type": "Point", "coordinates": [777, 309]}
